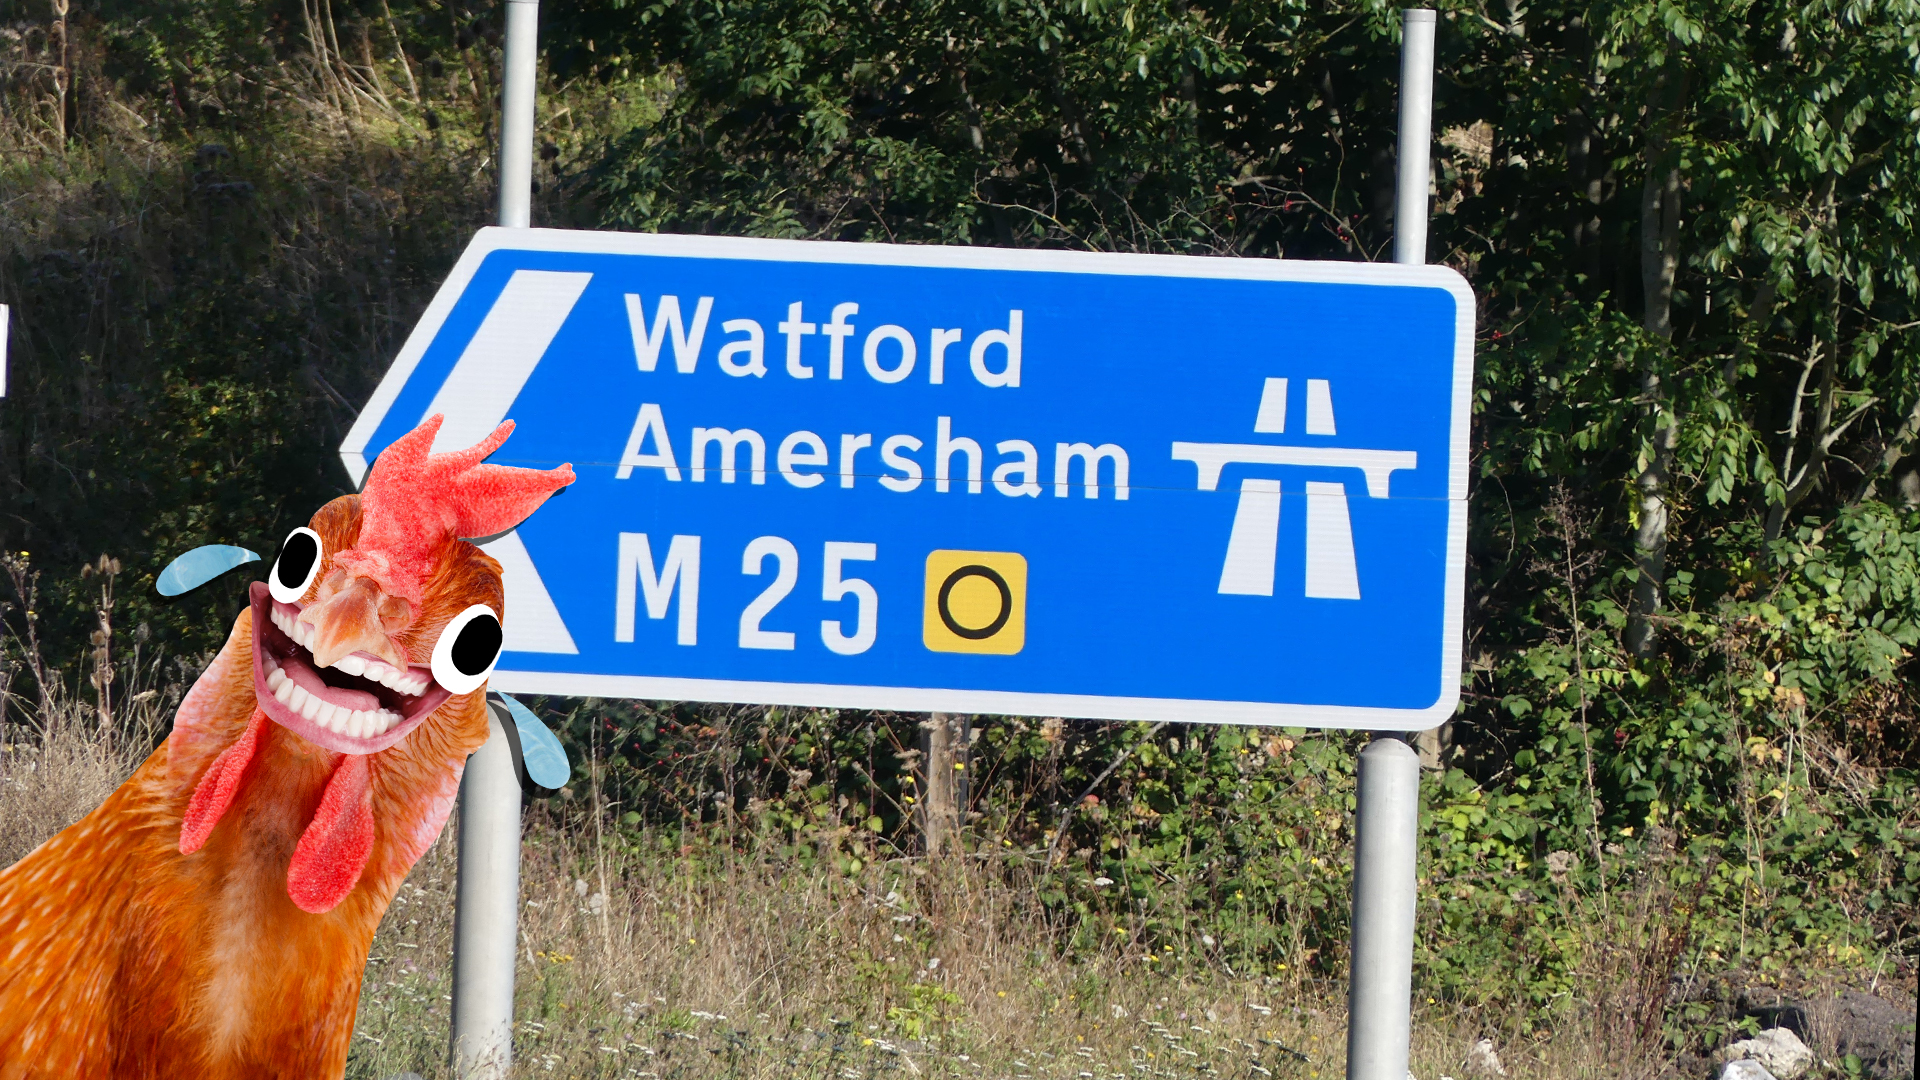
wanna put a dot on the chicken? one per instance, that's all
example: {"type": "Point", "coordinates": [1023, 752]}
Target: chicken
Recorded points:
{"type": "Point", "coordinates": [212, 918]}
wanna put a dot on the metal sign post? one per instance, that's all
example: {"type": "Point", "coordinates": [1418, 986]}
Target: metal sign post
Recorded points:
{"type": "Point", "coordinates": [487, 911]}
{"type": "Point", "coordinates": [486, 917]}
{"type": "Point", "coordinates": [1387, 814]}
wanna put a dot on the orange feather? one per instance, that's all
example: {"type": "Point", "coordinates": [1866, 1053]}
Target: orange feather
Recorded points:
{"type": "Point", "coordinates": [163, 935]}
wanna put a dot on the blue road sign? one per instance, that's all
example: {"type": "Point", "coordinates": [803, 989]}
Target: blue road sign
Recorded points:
{"type": "Point", "coordinates": [964, 479]}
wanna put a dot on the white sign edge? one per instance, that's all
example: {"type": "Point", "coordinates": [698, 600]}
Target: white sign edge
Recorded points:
{"type": "Point", "coordinates": [995, 702]}
{"type": "Point", "coordinates": [493, 238]}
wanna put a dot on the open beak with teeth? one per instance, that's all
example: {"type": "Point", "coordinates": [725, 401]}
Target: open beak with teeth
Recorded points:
{"type": "Point", "coordinates": [318, 671]}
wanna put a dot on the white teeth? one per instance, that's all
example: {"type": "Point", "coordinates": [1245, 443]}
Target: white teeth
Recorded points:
{"type": "Point", "coordinates": [328, 716]}
{"type": "Point", "coordinates": [352, 665]}
{"type": "Point", "coordinates": [310, 708]}
{"type": "Point", "coordinates": [392, 678]}
{"type": "Point", "coordinates": [274, 678]}
{"type": "Point", "coordinates": [284, 692]}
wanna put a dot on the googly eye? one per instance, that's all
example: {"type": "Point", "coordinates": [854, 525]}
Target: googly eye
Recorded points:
{"type": "Point", "coordinates": [294, 569]}
{"type": "Point", "coordinates": [465, 654]}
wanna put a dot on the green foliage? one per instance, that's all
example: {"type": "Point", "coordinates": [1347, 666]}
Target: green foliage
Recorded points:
{"type": "Point", "coordinates": [1149, 126]}
{"type": "Point", "coordinates": [1689, 224]}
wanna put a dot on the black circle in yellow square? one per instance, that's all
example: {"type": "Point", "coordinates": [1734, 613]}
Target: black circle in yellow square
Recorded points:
{"type": "Point", "coordinates": [976, 602]}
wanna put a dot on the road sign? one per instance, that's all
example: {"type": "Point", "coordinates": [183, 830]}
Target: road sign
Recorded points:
{"type": "Point", "coordinates": [964, 479]}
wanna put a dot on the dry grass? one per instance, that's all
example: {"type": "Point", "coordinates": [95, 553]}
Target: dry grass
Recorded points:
{"type": "Point", "coordinates": [689, 965]}
{"type": "Point", "coordinates": [46, 784]}
{"type": "Point", "coordinates": [671, 959]}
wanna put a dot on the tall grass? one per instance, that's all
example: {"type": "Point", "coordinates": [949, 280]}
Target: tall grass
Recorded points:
{"type": "Point", "coordinates": [651, 948]}
{"type": "Point", "coordinates": [668, 952]}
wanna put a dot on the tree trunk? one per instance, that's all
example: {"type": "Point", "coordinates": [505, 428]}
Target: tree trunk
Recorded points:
{"type": "Point", "coordinates": [944, 741]}
{"type": "Point", "coordinates": [1659, 262]}
{"type": "Point", "coordinates": [1821, 428]}
{"type": "Point", "coordinates": [62, 49]}
{"type": "Point", "coordinates": [400, 52]}
{"type": "Point", "coordinates": [1890, 455]}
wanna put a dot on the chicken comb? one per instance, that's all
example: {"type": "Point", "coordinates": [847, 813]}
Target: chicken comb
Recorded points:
{"type": "Point", "coordinates": [415, 500]}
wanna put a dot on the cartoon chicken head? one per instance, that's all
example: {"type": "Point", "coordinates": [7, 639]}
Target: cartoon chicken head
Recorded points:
{"type": "Point", "coordinates": [377, 618]}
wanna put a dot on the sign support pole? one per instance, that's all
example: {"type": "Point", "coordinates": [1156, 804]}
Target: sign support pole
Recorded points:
{"type": "Point", "coordinates": [487, 904]}
{"type": "Point", "coordinates": [1387, 815]}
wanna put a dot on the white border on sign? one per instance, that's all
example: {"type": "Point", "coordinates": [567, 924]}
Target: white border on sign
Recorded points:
{"type": "Point", "coordinates": [918, 699]}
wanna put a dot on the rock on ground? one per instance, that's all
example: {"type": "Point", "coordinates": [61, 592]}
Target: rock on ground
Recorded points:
{"type": "Point", "coordinates": [1873, 1029]}
{"type": "Point", "coordinates": [1745, 1069]}
{"type": "Point", "coordinates": [1483, 1060]}
{"type": "Point", "coordinates": [1877, 1031]}
{"type": "Point", "coordinates": [1778, 1048]}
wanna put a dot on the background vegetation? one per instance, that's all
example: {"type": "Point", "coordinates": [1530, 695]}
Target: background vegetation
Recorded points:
{"type": "Point", "coordinates": [1684, 763]}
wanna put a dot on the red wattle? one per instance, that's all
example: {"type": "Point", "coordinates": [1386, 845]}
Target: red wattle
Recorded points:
{"type": "Point", "coordinates": [219, 785]}
{"type": "Point", "coordinates": [333, 851]}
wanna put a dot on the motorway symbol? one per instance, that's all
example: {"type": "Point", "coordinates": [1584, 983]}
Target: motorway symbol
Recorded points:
{"type": "Point", "coordinates": [963, 479]}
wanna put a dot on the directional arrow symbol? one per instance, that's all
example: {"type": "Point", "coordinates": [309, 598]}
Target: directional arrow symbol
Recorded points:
{"type": "Point", "coordinates": [475, 397]}
{"type": "Point", "coordinates": [503, 353]}
{"type": "Point", "coordinates": [532, 623]}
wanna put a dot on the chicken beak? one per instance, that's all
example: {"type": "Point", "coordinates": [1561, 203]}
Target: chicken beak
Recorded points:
{"type": "Point", "coordinates": [348, 622]}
